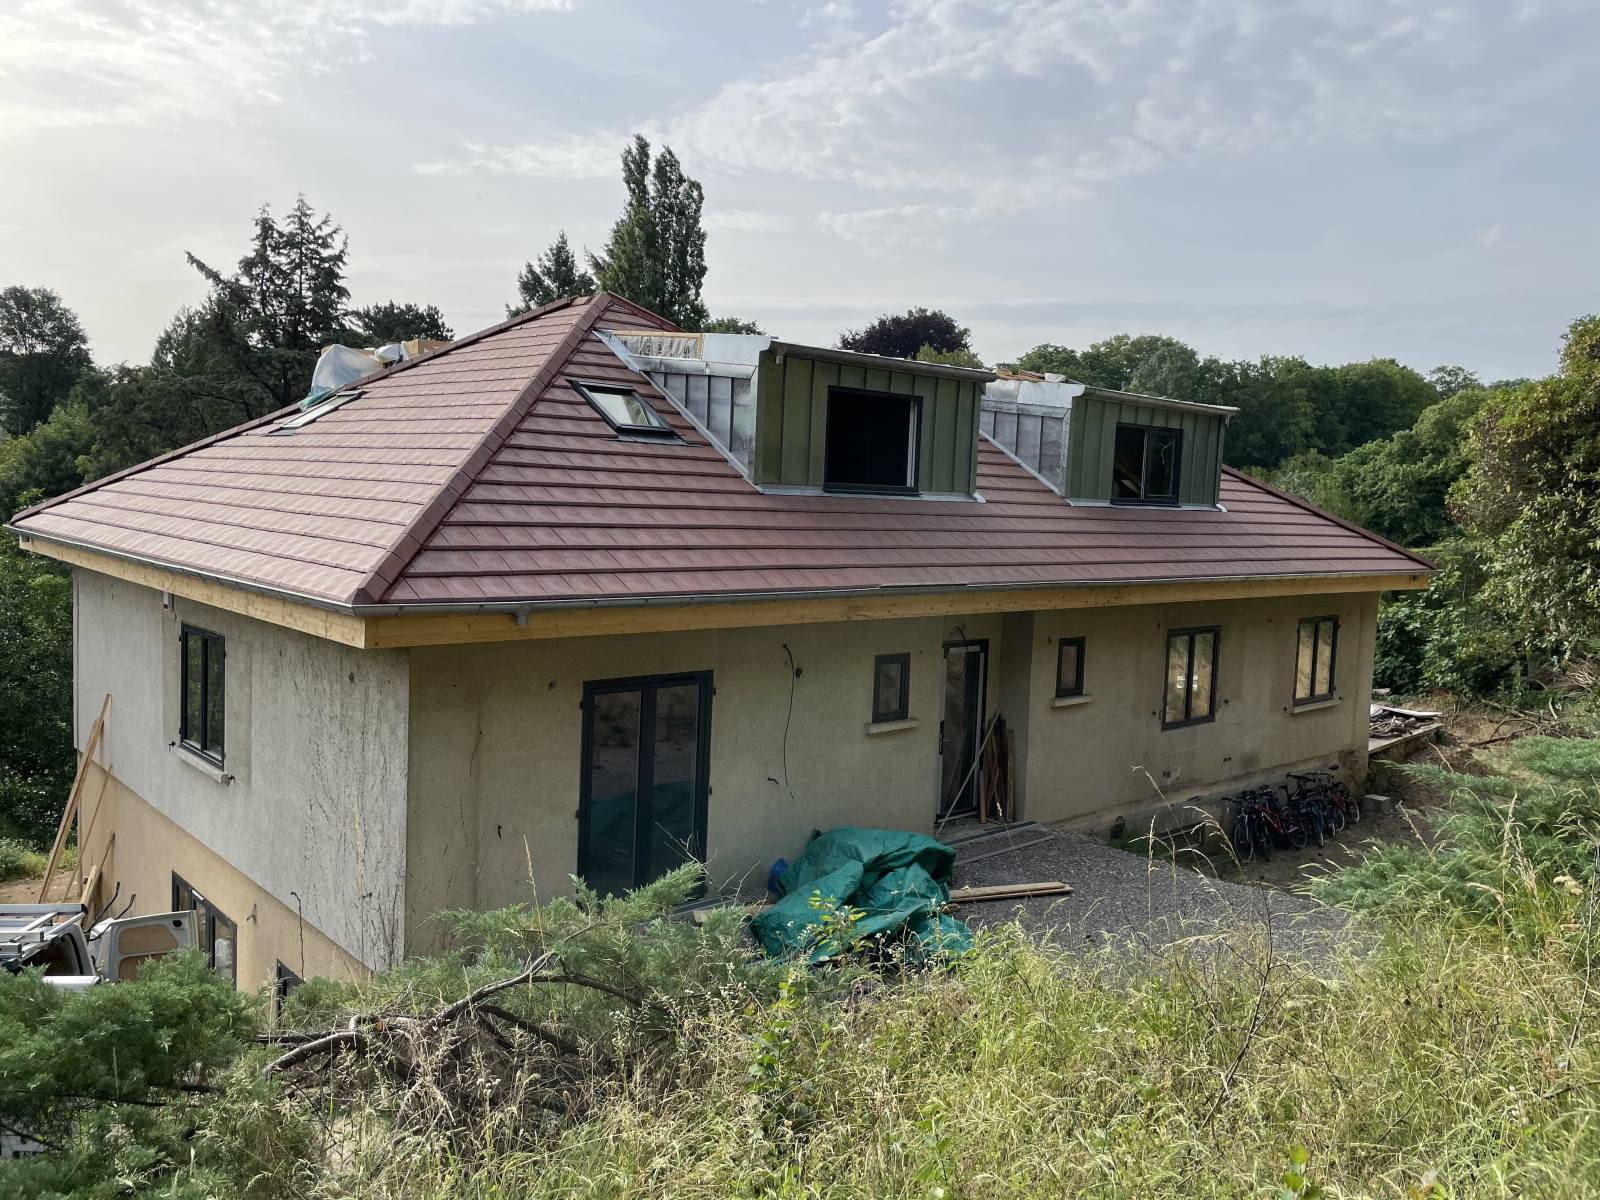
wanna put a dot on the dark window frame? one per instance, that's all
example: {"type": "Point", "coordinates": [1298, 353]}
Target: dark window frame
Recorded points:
{"type": "Point", "coordinates": [1316, 623]}
{"type": "Point", "coordinates": [902, 710]}
{"type": "Point", "coordinates": [187, 898]}
{"type": "Point", "coordinates": [284, 980]}
{"type": "Point", "coordinates": [663, 432]}
{"type": "Point", "coordinates": [1188, 693]}
{"type": "Point", "coordinates": [913, 447]}
{"type": "Point", "coordinates": [648, 684]}
{"type": "Point", "coordinates": [1144, 470]}
{"type": "Point", "coordinates": [209, 642]}
{"type": "Point", "coordinates": [1076, 689]}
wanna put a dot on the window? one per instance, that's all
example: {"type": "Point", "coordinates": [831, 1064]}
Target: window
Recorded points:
{"type": "Point", "coordinates": [1313, 662]}
{"type": "Point", "coordinates": [202, 686]}
{"type": "Point", "coordinates": [625, 410]}
{"type": "Point", "coordinates": [891, 687]}
{"type": "Point", "coordinates": [1191, 677]}
{"type": "Point", "coordinates": [1145, 465]}
{"type": "Point", "coordinates": [1069, 668]}
{"type": "Point", "coordinates": [215, 935]}
{"type": "Point", "coordinates": [284, 981]}
{"type": "Point", "coordinates": [872, 441]}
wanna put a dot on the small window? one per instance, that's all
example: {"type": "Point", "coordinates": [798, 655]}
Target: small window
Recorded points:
{"type": "Point", "coordinates": [871, 442]}
{"type": "Point", "coordinates": [1315, 650]}
{"type": "Point", "coordinates": [1069, 668]}
{"type": "Point", "coordinates": [1191, 689]}
{"type": "Point", "coordinates": [203, 686]}
{"type": "Point", "coordinates": [215, 935]}
{"type": "Point", "coordinates": [625, 410]}
{"type": "Point", "coordinates": [284, 981]}
{"type": "Point", "coordinates": [1145, 465]}
{"type": "Point", "coordinates": [891, 687]}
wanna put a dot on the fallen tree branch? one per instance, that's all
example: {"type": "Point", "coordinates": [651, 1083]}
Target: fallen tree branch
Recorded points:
{"type": "Point", "coordinates": [328, 1043]}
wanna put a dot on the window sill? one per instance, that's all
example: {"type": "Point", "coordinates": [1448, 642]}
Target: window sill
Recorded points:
{"type": "Point", "coordinates": [209, 769]}
{"type": "Point", "coordinates": [1333, 702]}
{"type": "Point", "coordinates": [1069, 701]}
{"type": "Point", "coordinates": [876, 727]}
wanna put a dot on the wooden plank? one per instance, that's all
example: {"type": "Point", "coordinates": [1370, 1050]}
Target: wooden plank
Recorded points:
{"type": "Point", "coordinates": [275, 610]}
{"type": "Point", "coordinates": [1009, 891]}
{"type": "Point", "coordinates": [444, 630]}
{"type": "Point", "coordinates": [90, 746]}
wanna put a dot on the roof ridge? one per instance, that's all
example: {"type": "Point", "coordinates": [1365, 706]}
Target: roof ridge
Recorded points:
{"type": "Point", "coordinates": [1302, 503]}
{"type": "Point", "coordinates": [389, 569]}
{"type": "Point", "coordinates": [255, 422]}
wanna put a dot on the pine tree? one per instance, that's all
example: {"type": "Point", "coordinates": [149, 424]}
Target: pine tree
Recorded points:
{"type": "Point", "coordinates": [380, 324]}
{"type": "Point", "coordinates": [555, 276]}
{"type": "Point", "coordinates": [656, 255]}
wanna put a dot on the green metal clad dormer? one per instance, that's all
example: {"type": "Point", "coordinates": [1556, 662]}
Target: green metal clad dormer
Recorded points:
{"type": "Point", "coordinates": [838, 421]}
{"type": "Point", "coordinates": [1195, 431]}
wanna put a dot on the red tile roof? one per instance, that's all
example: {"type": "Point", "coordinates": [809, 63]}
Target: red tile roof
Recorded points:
{"type": "Point", "coordinates": [479, 475]}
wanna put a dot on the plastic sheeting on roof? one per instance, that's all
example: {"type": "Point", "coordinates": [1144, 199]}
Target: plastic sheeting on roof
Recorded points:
{"type": "Point", "coordinates": [340, 366]}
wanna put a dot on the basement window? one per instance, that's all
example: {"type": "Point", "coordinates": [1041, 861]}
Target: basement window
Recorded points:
{"type": "Point", "coordinates": [872, 442]}
{"type": "Point", "coordinates": [1313, 664]}
{"type": "Point", "coordinates": [202, 687]}
{"type": "Point", "coordinates": [891, 688]}
{"type": "Point", "coordinates": [215, 935]}
{"type": "Point", "coordinates": [625, 410]}
{"type": "Point", "coordinates": [1145, 465]}
{"type": "Point", "coordinates": [1191, 691]}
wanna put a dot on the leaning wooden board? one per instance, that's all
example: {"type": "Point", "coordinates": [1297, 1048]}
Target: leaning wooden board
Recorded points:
{"type": "Point", "coordinates": [1008, 891]}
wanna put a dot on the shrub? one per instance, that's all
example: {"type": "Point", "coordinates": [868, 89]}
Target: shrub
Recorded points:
{"type": "Point", "coordinates": [18, 860]}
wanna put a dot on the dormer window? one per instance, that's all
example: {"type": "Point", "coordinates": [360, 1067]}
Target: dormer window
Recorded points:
{"type": "Point", "coordinates": [871, 442]}
{"type": "Point", "coordinates": [1145, 465]}
{"type": "Point", "coordinates": [625, 410]}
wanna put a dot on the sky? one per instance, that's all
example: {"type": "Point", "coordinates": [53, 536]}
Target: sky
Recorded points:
{"type": "Point", "coordinates": [1339, 179]}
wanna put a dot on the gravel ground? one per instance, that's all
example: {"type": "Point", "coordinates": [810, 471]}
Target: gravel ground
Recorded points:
{"type": "Point", "coordinates": [1121, 897]}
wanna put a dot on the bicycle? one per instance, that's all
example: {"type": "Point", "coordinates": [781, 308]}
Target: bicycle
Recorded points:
{"type": "Point", "coordinates": [1248, 832]}
{"type": "Point", "coordinates": [1322, 789]}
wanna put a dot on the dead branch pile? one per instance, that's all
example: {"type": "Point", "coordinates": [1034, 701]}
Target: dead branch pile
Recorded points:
{"type": "Point", "coordinates": [450, 1069]}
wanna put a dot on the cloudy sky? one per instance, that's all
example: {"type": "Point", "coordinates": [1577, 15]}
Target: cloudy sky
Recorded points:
{"type": "Point", "coordinates": [1334, 178]}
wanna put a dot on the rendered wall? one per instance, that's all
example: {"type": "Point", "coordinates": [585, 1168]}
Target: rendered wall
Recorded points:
{"type": "Point", "coordinates": [495, 750]}
{"type": "Point", "coordinates": [310, 802]}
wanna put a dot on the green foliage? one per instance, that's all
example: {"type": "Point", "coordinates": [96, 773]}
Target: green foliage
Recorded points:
{"type": "Point", "coordinates": [950, 358]}
{"type": "Point", "coordinates": [1447, 636]}
{"type": "Point", "coordinates": [36, 754]}
{"type": "Point", "coordinates": [18, 860]}
{"type": "Point", "coordinates": [905, 335]}
{"type": "Point", "coordinates": [380, 324]}
{"type": "Point", "coordinates": [49, 460]}
{"type": "Point", "coordinates": [555, 276]}
{"type": "Point", "coordinates": [43, 351]}
{"type": "Point", "coordinates": [1533, 492]}
{"type": "Point", "coordinates": [656, 254]}
{"type": "Point", "coordinates": [731, 325]}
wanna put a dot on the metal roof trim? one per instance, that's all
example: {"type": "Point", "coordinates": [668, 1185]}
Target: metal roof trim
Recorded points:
{"type": "Point", "coordinates": [881, 362]}
{"type": "Point", "coordinates": [1226, 411]}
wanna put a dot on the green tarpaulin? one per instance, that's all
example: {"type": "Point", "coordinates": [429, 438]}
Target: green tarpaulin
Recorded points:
{"type": "Point", "coordinates": [899, 882]}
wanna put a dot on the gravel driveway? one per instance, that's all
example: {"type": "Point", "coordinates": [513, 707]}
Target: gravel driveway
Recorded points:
{"type": "Point", "coordinates": [1122, 897]}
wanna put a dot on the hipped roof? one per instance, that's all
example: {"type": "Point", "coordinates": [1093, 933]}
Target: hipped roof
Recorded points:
{"type": "Point", "coordinates": [478, 475]}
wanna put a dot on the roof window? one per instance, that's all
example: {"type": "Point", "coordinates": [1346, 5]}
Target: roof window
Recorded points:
{"type": "Point", "coordinates": [321, 408]}
{"type": "Point", "coordinates": [625, 410]}
{"type": "Point", "coordinates": [872, 442]}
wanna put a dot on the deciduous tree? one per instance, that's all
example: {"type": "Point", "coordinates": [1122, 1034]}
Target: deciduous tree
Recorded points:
{"type": "Point", "coordinates": [43, 350]}
{"type": "Point", "coordinates": [656, 254]}
{"type": "Point", "coordinates": [904, 335]}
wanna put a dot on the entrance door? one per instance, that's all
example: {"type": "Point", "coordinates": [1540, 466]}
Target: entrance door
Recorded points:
{"type": "Point", "coordinates": [646, 751]}
{"type": "Point", "coordinates": [966, 669]}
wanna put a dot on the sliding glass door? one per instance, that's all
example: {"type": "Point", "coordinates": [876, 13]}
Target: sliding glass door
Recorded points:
{"type": "Point", "coordinates": [646, 751]}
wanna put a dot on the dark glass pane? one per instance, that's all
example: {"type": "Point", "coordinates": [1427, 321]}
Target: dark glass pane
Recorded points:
{"type": "Point", "coordinates": [1127, 465]}
{"type": "Point", "coordinates": [1303, 662]}
{"type": "Point", "coordinates": [194, 673]}
{"type": "Point", "coordinates": [216, 704]}
{"type": "Point", "coordinates": [1177, 678]}
{"type": "Point", "coordinates": [886, 695]}
{"type": "Point", "coordinates": [627, 408]}
{"type": "Point", "coordinates": [1205, 646]}
{"type": "Point", "coordinates": [613, 791]}
{"type": "Point", "coordinates": [224, 936]}
{"type": "Point", "coordinates": [673, 829]}
{"type": "Point", "coordinates": [1324, 672]}
{"type": "Point", "coordinates": [869, 441]}
{"type": "Point", "coordinates": [1161, 482]}
{"type": "Point", "coordinates": [1068, 680]}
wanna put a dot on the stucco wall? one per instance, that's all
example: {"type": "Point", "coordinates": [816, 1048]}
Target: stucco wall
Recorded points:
{"type": "Point", "coordinates": [495, 749]}
{"type": "Point", "coordinates": [310, 802]}
{"type": "Point", "coordinates": [1087, 762]}
{"type": "Point", "coordinates": [495, 730]}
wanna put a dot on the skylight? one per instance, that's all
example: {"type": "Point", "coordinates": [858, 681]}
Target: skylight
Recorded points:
{"type": "Point", "coordinates": [625, 410]}
{"type": "Point", "coordinates": [320, 409]}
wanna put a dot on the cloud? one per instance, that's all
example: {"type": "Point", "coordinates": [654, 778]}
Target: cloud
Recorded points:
{"type": "Point", "coordinates": [1490, 235]}
{"type": "Point", "coordinates": [895, 228]}
{"type": "Point", "coordinates": [1003, 105]}
{"type": "Point", "coordinates": [75, 63]}
{"type": "Point", "coordinates": [578, 156]}
{"type": "Point", "coordinates": [744, 220]}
